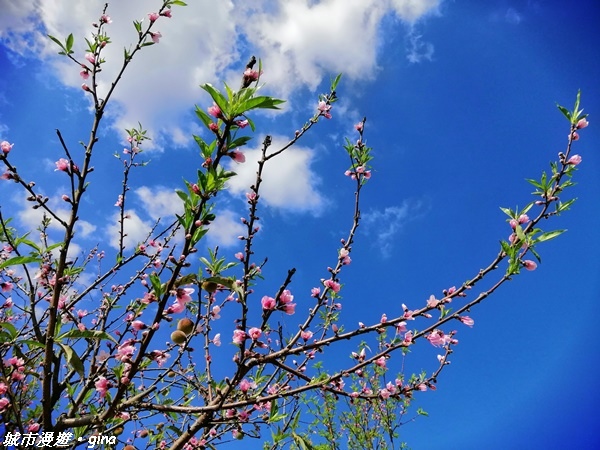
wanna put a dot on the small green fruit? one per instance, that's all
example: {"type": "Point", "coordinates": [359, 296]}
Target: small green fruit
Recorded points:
{"type": "Point", "coordinates": [209, 286]}
{"type": "Point", "coordinates": [186, 325]}
{"type": "Point", "coordinates": [178, 337]}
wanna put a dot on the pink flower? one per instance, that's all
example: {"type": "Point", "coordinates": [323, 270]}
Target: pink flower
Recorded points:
{"type": "Point", "coordinates": [62, 164]}
{"type": "Point", "coordinates": [3, 388]}
{"type": "Point", "coordinates": [153, 16]}
{"type": "Point", "coordinates": [125, 352]}
{"type": "Point", "coordinates": [177, 307]}
{"type": "Point", "coordinates": [238, 337]}
{"type": "Point", "coordinates": [289, 308]}
{"type": "Point", "coordinates": [119, 201]}
{"type": "Point", "coordinates": [254, 333]}
{"type": "Point", "coordinates": [242, 123]}
{"type": "Point", "coordinates": [183, 294]}
{"type": "Point", "coordinates": [574, 160]}
{"type": "Point", "coordinates": [582, 123]}
{"type": "Point", "coordinates": [244, 385]}
{"type": "Point", "coordinates": [6, 147]}
{"type": "Point", "coordinates": [251, 75]}
{"type": "Point", "coordinates": [523, 218]}
{"type": "Point", "coordinates": [381, 361]}
{"type": "Point", "coordinates": [166, 13]}
{"type": "Point", "coordinates": [286, 297]}
{"type": "Point", "coordinates": [315, 292]}
{"type": "Point", "coordinates": [102, 385]}
{"type": "Point", "coordinates": [467, 320]}
{"type": "Point", "coordinates": [217, 340]}
{"type": "Point", "coordinates": [529, 264]}
{"type": "Point", "coordinates": [86, 88]}
{"type": "Point", "coordinates": [215, 111]}
{"type": "Point", "coordinates": [251, 196]}
{"type": "Point", "coordinates": [384, 393]}
{"type": "Point", "coordinates": [268, 303]}
{"type": "Point", "coordinates": [237, 156]}
{"type": "Point", "coordinates": [91, 58]}
{"type": "Point", "coordinates": [239, 255]}
{"type": "Point", "coordinates": [575, 136]}
{"type": "Point", "coordinates": [432, 302]}
{"type": "Point", "coordinates": [6, 286]}
{"type": "Point", "coordinates": [160, 357]}
{"type": "Point", "coordinates": [437, 338]}
{"type": "Point", "coordinates": [138, 325]}
{"type": "Point", "coordinates": [306, 335]}
{"type": "Point", "coordinates": [359, 126]}
{"type": "Point", "coordinates": [215, 312]}
{"type": "Point", "coordinates": [324, 108]}
{"type": "Point", "coordinates": [213, 127]}
{"type": "Point", "coordinates": [104, 18]}
{"type": "Point", "coordinates": [4, 402]}
{"type": "Point", "coordinates": [155, 36]}
{"type": "Point", "coordinates": [335, 287]}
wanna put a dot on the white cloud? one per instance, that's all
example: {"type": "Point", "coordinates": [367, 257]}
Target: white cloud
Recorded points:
{"type": "Point", "coordinates": [418, 50]}
{"type": "Point", "coordinates": [225, 229]}
{"type": "Point", "coordinates": [135, 228]}
{"type": "Point", "coordinates": [159, 202]}
{"type": "Point", "coordinates": [31, 218]}
{"type": "Point", "coordinates": [289, 182]}
{"type": "Point", "coordinates": [512, 16]}
{"type": "Point", "coordinates": [385, 225]}
{"type": "Point", "coordinates": [300, 42]}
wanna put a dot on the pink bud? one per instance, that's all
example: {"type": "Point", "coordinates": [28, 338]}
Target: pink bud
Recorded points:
{"type": "Point", "coordinates": [582, 123]}
{"type": "Point", "coordinates": [6, 147]}
{"type": "Point", "coordinates": [153, 16]}
{"type": "Point", "coordinates": [529, 265]}
{"type": "Point", "coordinates": [574, 160]}
{"type": "Point", "coordinates": [155, 36]}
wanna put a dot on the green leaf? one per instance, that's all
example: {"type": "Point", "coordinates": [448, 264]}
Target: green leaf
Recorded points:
{"type": "Point", "coordinates": [70, 41]}
{"type": "Point", "coordinates": [18, 260]}
{"type": "Point", "coordinates": [560, 207]}
{"type": "Point", "coordinates": [155, 281]}
{"type": "Point", "coordinates": [86, 334]}
{"type": "Point", "coordinates": [182, 195]}
{"type": "Point", "coordinates": [335, 82]}
{"type": "Point", "coordinates": [565, 111]}
{"type": "Point", "coordinates": [205, 118]}
{"type": "Point", "coordinates": [262, 102]}
{"type": "Point", "coordinates": [509, 212]}
{"type": "Point", "coordinates": [10, 328]}
{"type": "Point", "coordinates": [535, 254]}
{"type": "Point", "coordinates": [422, 412]}
{"type": "Point", "coordinates": [549, 235]}
{"type": "Point", "coordinates": [53, 246]}
{"type": "Point", "coordinates": [238, 142]}
{"type": "Point", "coordinates": [73, 359]}
{"type": "Point", "coordinates": [217, 97]}
{"type": "Point", "coordinates": [57, 42]}
{"type": "Point", "coordinates": [31, 343]}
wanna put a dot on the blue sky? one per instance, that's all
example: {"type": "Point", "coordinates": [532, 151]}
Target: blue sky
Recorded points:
{"type": "Point", "coordinates": [460, 104]}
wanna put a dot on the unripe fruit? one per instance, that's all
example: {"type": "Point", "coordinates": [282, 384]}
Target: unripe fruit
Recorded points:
{"type": "Point", "coordinates": [118, 431]}
{"type": "Point", "coordinates": [129, 447]}
{"type": "Point", "coordinates": [178, 337]}
{"type": "Point", "coordinates": [209, 286]}
{"type": "Point", "coordinates": [186, 325]}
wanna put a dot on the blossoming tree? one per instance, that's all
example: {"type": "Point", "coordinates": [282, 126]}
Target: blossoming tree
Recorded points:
{"type": "Point", "coordinates": [68, 374]}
